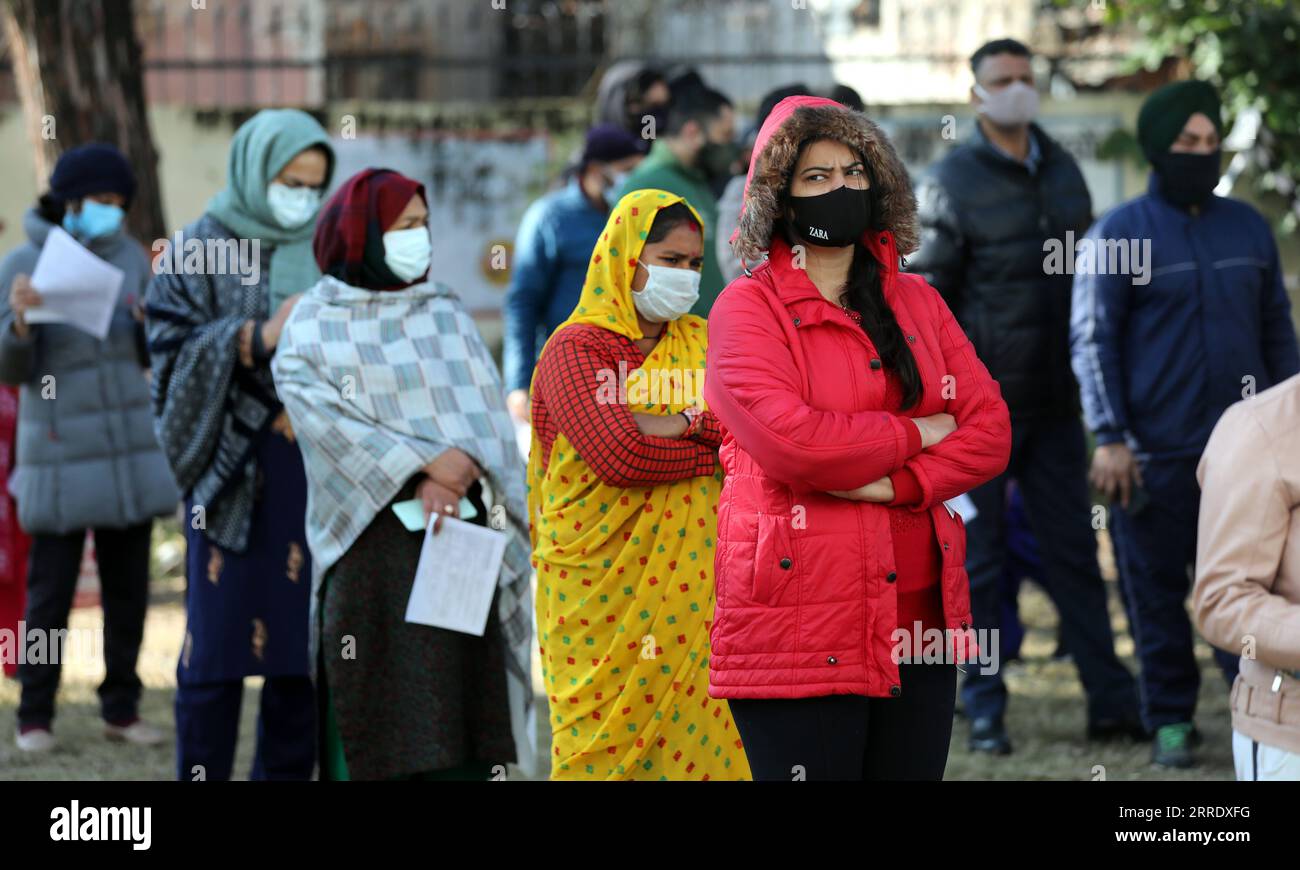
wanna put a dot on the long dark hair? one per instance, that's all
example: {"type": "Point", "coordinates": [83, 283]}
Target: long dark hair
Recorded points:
{"type": "Point", "coordinates": [865, 295]}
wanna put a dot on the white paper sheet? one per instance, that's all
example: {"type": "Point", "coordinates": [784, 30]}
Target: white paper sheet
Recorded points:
{"type": "Point", "coordinates": [964, 505]}
{"type": "Point", "coordinates": [456, 577]}
{"type": "Point", "coordinates": [76, 287]}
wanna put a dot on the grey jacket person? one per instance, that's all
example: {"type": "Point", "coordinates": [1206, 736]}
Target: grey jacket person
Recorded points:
{"type": "Point", "coordinates": [87, 454]}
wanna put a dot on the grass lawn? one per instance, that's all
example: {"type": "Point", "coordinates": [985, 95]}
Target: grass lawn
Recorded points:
{"type": "Point", "coordinates": [1046, 716]}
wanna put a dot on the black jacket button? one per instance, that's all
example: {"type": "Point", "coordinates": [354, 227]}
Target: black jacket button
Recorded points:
{"type": "Point", "coordinates": [796, 321]}
{"type": "Point", "coordinates": [895, 691]}
{"type": "Point", "coordinates": [875, 364]}
{"type": "Point", "coordinates": [964, 625]}
{"type": "Point", "coordinates": [891, 576]}
{"type": "Point", "coordinates": [786, 563]}
{"type": "Point", "coordinates": [831, 660]}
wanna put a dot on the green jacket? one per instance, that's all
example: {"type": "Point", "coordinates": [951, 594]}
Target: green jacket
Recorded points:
{"type": "Point", "coordinates": [661, 170]}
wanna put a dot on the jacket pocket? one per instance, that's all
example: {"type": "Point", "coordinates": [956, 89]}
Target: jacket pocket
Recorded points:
{"type": "Point", "coordinates": [950, 529]}
{"type": "Point", "coordinates": [774, 558]}
{"type": "Point", "coordinates": [957, 536]}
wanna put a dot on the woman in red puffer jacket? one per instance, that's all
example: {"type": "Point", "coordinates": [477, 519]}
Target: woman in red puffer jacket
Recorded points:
{"type": "Point", "coordinates": [853, 406]}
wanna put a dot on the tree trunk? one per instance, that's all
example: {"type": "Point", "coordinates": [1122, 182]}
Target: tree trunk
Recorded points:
{"type": "Point", "coordinates": [77, 66]}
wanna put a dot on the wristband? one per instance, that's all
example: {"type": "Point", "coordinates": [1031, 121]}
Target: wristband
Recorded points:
{"type": "Point", "coordinates": [692, 415]}
{"type": "Point", "coordinates": [259, 348]}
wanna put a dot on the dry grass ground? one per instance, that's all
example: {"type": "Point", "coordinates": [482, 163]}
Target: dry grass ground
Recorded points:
{"type": "Point", "coordinates": [1046, 715]}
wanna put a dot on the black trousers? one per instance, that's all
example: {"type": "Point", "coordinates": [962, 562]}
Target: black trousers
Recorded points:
{"type": "Point", "coordinates": [852, 737]}
{"type": "Point", "coordinates": [123, 559]}
{"type": "Point", "coordinates": [1049, 461]}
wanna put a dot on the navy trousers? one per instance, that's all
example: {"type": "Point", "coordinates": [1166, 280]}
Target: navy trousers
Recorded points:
{"type": "Point", "coordinates": [1156, 549]}
{"type": "Point", "coordinates": [207, 729]}
{"type": "Point", "coordinates": [1049, 463]}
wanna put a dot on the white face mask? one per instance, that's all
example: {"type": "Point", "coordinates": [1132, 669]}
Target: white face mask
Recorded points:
{"type": "Point", "coordinates": [668, 293]}
{"type": "Point", "coordinates": [1012, 106]}
{"type": "Point", "coordinates": [292, 206]}
{"type": "Point", "coordinates": [408, 252]}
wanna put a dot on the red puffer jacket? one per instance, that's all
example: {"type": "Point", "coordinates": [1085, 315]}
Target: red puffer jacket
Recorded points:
{"type": "Point", "coordinates": [805, 600]}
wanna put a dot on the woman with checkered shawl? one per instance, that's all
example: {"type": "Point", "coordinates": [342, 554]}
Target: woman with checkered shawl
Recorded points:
{"type": "Point", "coordinates": [393, 396]}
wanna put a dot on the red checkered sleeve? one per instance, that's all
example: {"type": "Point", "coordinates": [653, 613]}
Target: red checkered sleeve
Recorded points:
{"type": "Point", "coordinates": [573, 377]}
{"type": "Point", "coordinates": [708, 431]}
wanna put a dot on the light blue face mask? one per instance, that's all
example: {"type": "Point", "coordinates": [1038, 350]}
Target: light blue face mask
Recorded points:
{"type": "Point", "coordinates": [95, 220]}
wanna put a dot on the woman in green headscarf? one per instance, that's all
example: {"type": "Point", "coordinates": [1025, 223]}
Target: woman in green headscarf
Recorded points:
{"type": "Point", "coordinates": [214, 315]}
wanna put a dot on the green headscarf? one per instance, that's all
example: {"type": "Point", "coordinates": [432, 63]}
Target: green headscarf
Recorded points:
{"type": "Point", "coordinates": [1165, 113]}
{"type": "Point", "coordinates": [263, 146]}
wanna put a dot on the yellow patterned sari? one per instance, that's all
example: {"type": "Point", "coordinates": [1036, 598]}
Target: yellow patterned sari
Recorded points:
{"type": "Point", "coordinates": [625, 576]}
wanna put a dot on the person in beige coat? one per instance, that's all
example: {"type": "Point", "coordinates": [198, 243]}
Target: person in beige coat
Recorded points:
{"type": "Point", "coordinates": [1247, 592]}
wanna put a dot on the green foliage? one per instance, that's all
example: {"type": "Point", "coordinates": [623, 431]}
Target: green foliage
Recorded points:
{"type": "Point", "coordinates": [1121, 144]}
{"type": "Point", "coordinates": [1250, 50]}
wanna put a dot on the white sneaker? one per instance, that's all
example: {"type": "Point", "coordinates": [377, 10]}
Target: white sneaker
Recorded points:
{"type": "Point", "coordinates": [139, 732]}
{"type": "Point", "coordinates": [37, 740]}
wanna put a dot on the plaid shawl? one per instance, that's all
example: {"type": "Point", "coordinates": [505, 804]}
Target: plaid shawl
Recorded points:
{"type": "Point", "coordinates": [208, 409]}
{"type": "Point", "coordinates": [377, 384]}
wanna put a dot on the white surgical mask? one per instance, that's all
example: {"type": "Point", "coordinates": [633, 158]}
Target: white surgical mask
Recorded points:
{"type": "Point", "coordinates": [1012, 106]}
{"type": "Point", "coordinates": [668, 293]}
{"type": "Point", "coordinates": [408, 252]}
{"type": "Point", "coordinates": [292, 206]}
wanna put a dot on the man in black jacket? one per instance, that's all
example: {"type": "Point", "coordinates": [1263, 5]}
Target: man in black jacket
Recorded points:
{"type": "Point", "coordinates": [986, 211]}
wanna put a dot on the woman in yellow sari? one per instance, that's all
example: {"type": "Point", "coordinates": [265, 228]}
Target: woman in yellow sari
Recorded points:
{"type": "Point", "coordinates": [623, 490]}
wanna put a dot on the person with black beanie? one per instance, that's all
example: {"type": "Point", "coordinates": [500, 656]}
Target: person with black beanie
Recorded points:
{"type": "Point", "coordinates": [87, 455]}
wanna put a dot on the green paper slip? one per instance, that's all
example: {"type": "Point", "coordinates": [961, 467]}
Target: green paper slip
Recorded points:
{"type": "Point", "coordinates": [411, 513]}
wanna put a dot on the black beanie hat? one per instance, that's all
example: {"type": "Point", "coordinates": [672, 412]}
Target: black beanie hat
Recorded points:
{"type": "Point", "coordinates": [97, 167]}
{"type": "Point", "coordinates": [609, 142]}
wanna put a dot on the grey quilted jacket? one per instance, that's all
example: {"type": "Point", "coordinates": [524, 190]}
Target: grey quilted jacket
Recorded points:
{"type": "Point", "coordinates": [87, 454]}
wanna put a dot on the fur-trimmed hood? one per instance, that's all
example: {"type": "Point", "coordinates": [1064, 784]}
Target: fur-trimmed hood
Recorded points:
{"type": "Point", "coordinates": [776, 149]}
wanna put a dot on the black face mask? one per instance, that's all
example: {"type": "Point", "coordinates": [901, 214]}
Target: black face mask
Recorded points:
{"type": "Point", "coordinates": [1187, 179]}
{"type": "Point", "coordinates": [716, 158]}
{"type": "Point", "coordinates": [835, 219]}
